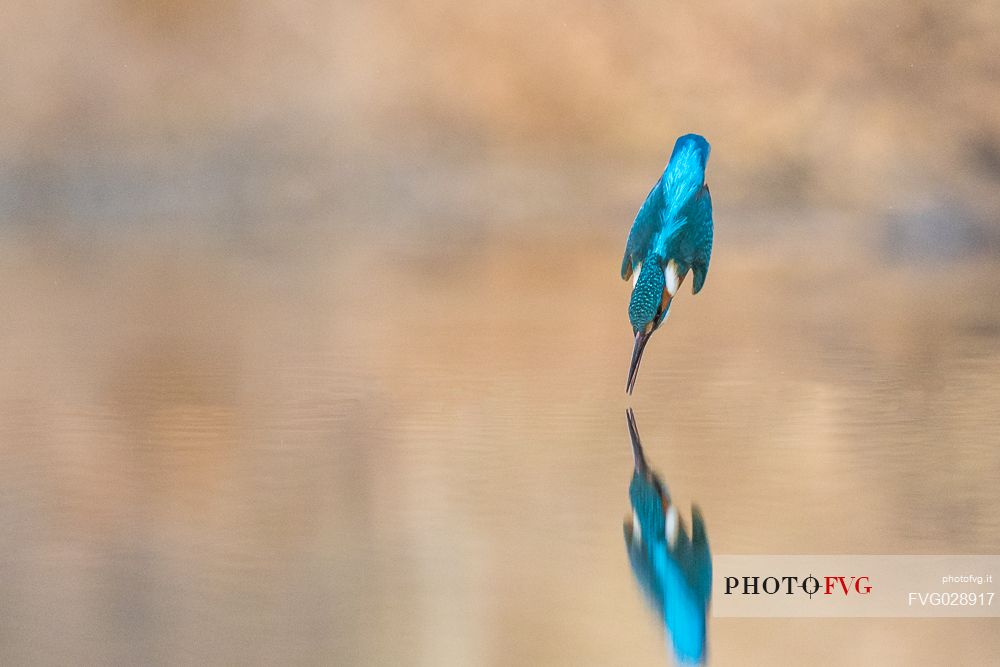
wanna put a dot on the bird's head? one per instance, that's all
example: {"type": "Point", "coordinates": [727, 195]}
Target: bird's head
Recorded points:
{"type": "Point", "coordinates": [647, 495]}
{"type": "Point", "coordinates": [646, 309]}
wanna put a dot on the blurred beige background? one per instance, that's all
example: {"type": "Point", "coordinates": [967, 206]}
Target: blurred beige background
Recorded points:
{"type": "Point", "coordinates": [314, 343]}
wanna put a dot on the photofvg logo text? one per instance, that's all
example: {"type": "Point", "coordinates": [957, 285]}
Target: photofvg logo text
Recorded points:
{"type": "Point", "coordinates": [809, 585]}
{"type": "Point", "coordinates": [854, 586]}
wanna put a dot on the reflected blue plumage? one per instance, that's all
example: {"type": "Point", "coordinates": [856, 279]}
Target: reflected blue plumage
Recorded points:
{"type": "Point", "coordinates": [673, 570]}
{"type": "Point", "coordinates": [670, 237]}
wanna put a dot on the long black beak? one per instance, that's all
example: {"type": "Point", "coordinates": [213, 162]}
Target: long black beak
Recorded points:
{"type": "Point", "coordinates": [633, 434]}
{"type": "Point", "coordinates": [641, 338]}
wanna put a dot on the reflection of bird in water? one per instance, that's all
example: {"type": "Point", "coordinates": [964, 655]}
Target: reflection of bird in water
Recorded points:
{"type": "Point", "coordinates": [673, 570]}
{"type": "Point", "coordinates": [671, 234]}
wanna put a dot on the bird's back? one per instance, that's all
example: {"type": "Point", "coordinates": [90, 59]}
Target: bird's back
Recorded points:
{"type": "Point", "coordinates": [662, 214]}
{"type": "Point", "coordinates": [683, 179]}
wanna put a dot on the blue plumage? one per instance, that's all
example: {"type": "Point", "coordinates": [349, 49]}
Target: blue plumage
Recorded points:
{"type": "Point", "coordinates": [671, 236]}
{"type": "Point", "coordinates": [673, 570]}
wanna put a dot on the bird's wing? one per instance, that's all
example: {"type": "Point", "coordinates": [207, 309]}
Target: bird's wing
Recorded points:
{"type": "Point", "coordinates": [699, 214]}
{"type": "Point", "coordinates": [643, 230]}
{"type": "Point", "coordinates": [645, 575]}
{"type": "Point", "coordinates": [701, 554]}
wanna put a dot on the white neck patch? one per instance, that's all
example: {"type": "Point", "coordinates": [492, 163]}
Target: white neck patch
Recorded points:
{"type": "Point", "coordinates": [671, 525]}
{"type": "Point", "coordinates": [670, 275]}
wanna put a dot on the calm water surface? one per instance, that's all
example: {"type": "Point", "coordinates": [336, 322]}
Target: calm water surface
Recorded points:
{"type": "Point", "coordinates": [353, 451]}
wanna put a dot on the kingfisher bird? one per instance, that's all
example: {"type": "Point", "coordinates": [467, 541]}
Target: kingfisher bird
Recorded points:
{"type": "Point", "coordinates": [671, 235]}
{"type": "Point", "coordinates": [673, 570]}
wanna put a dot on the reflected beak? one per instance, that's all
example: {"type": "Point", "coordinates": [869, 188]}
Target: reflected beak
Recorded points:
{"type": "Point", "coordinates": [633, 434]}
{"type": "Point", "coordinates": [641, 338]}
